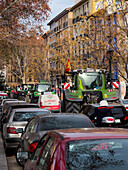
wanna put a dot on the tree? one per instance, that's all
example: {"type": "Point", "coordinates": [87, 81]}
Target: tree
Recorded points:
{"type": "Point", "coordinates": [105, 37]}
{"type": "Point", "coordinates": [19, 15]}
{"type": "Point", "coordinates": [27, 60]}
{"type": "Point", "coordinates": [20, 19]}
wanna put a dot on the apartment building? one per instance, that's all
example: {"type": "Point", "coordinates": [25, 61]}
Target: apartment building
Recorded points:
{"type": "Point", "coordinates": [59, 40]}
{"type": "Point", "coordinates": [92, 38]}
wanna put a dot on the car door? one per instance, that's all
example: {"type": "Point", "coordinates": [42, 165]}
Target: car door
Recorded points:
{"type": "Point", "coordinates": [45, 155]}
{"type": "Point", "coordinates": [31, 163]}
{"type": "Point", "coordinates": [26, 138]}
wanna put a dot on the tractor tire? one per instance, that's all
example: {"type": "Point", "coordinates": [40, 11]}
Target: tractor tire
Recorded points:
{"type": "Point", "coordinates": [34, 100]}
{"type": "Point", "coordinates": [72, 107]}
{"type": "Point", "coordinates": [22, 98]}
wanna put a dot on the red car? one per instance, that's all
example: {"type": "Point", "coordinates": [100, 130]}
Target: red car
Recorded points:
{"type": "Point", "coordinates": [80, 149]}
{"type": "Point", "coordinates": [3, 96]}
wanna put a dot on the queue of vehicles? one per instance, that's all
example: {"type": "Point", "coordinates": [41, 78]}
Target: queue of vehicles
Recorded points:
{"type": "Point", "coordinates": [44, 130]}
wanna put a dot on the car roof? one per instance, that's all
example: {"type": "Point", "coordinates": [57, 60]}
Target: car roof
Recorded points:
{"type": "Point", "coordinates": [62, 115]}
{"type": "Point", "coordinates": [109, 105]}
{"type": "Point", "coordinates": [3, 94]}
{"type": "Point", "coordinates": [91, 133]}
{"type": "Point", "coordinates": [15, 101]}
{"type": "Point", "coordinates": [29, 109]}
{"type": "Point", "coordinates": [10, 99]}
{"type": "Point", "coordinates": [22, 104]}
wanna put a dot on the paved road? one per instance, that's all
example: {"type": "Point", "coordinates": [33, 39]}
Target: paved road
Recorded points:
{"type": "Point", "coordinates": [12, 164]}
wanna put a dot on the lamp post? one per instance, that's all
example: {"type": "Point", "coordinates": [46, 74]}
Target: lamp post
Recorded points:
{"type": "Point", "coordinates": [110, 54]}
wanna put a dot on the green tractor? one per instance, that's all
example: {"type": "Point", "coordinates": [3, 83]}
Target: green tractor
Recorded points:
{"type": "Point", "coordinates": [89, 86]}
{"type": "Point", "coordinates": [40, 88]}
{"type": "Point", "coordinates": [25, 91]}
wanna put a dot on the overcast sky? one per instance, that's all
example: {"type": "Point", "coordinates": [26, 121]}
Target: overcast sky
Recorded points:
{"type": "Point", "coordinates": [58, 6]}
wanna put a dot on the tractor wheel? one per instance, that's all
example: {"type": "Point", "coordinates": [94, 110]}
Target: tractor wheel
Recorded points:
{"type": "Point", "coordinates": [34, 100]}
{"type": "Point", "coordinates": [22, 98]}
{"type": "Point", "coordinates": [72, 107]}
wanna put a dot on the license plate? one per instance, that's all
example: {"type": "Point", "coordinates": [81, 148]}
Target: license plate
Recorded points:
{"type": "Point", "coordinates": [19, 130]}
{"type": "Point", "coordinates": [117, 120]}
{"type": "Point", "coordinates": [47, 108]}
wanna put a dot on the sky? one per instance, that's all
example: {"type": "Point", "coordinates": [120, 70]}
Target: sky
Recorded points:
{"type": "Point", "coordinates": [57, 6]}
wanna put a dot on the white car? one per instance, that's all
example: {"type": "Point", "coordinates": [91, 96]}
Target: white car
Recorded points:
{"type": "Point", "coordinates": [16, 123]}
{"type": "Point", "coordinates": [124, 102]}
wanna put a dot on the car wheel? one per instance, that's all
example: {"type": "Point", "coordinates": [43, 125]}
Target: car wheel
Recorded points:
{"type": "Point", "coordinates": [19, 161]}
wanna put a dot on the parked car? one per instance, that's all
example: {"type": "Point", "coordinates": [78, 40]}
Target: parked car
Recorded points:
{"type": "Point", "coordinates": [73, 149]}
{"type": "Point", "coordinates": [15, 124]}
{"type": "Point", "coordinates": [124, 102]}
{"type": "Point", "coordinates": [38, 125]}
{"type": "Point", "coordinates": [5, 100]}
{"type": "Point", "coordinates": [3, 96]}
{"type": "Point", "coordinates": [5, 106]}
{"type": "Point", "coordinates": [119, 112]}
{"type": "Point", "coordinates": [12, 106]}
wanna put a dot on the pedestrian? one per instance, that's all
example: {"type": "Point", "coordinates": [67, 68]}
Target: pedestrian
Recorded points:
{"type": "Point", "coordinates": [101, 112]}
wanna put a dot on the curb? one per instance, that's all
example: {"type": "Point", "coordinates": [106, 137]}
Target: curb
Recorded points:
{"type": "Point", "coordinates": [3, 160]}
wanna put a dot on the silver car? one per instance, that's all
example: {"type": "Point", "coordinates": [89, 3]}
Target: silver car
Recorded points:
{"type": "Point", "coordinates": [16, 123]}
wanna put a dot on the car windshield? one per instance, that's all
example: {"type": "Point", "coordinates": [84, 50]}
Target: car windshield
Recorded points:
{"type": "Point", "coordinates": [105, 154]}
{"type": "Point", "coordinates": [26, 116]}
{"type": "Point", "coordinates": [117, 110]}
{"type": "Point", "coordinates": [62, 122]}
{"type": "Point", "coordinates": [43, 87]}
{"type": "Point", "coordinates": [91, 80]}
{"type": "Point", "coordinates": [125, 101]}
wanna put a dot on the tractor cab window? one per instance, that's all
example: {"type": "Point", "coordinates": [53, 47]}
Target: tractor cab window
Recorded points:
{"type": "Point", "coordinates": [90, 80]}
{"type": "Point", "coordinates": [43, 87]}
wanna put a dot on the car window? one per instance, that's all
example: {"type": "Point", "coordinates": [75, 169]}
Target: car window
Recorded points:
{"type": "Point", "coordinates": [117, 110]}
{"type": "Point", "coordinates": [36, 152]}
{"type": "Point", "coordinates": [26, 116]}
{"type": "Point", "coordinates": [30, 126]}
{"type": "Point", "coordinates": [45, 155]}
{"type": "Point", "coordinates": [125, 101]}
{"type": "Point", "coordinates": [63, 122]}
{"type": "Point", "coordinates": [107, 154]}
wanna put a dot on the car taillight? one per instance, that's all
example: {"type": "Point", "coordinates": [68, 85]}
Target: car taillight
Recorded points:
{"type": "Point", "coordinates": [126, 108]}
{"type": "Point", "coordinates": [40, 103]}
{"type": "Point", "coordinates": [110, 119]}
{"type": "Point", "coordinates": [32, 146]}
{"type": "Point", "coordinates": [11, 130]}
{"type": "Point", "coordinates": [126, 118]}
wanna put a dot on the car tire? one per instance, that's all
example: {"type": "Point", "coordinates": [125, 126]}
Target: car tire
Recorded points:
{"type": "Point", "coordinates": [20, 162]}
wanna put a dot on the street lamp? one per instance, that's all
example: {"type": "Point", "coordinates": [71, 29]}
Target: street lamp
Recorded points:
{"type": "Point", "coordinates": [110, 54]}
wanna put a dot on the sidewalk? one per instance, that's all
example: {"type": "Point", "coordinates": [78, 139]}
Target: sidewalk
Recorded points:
{"type": "Point", "coordinates": [3, 160]}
